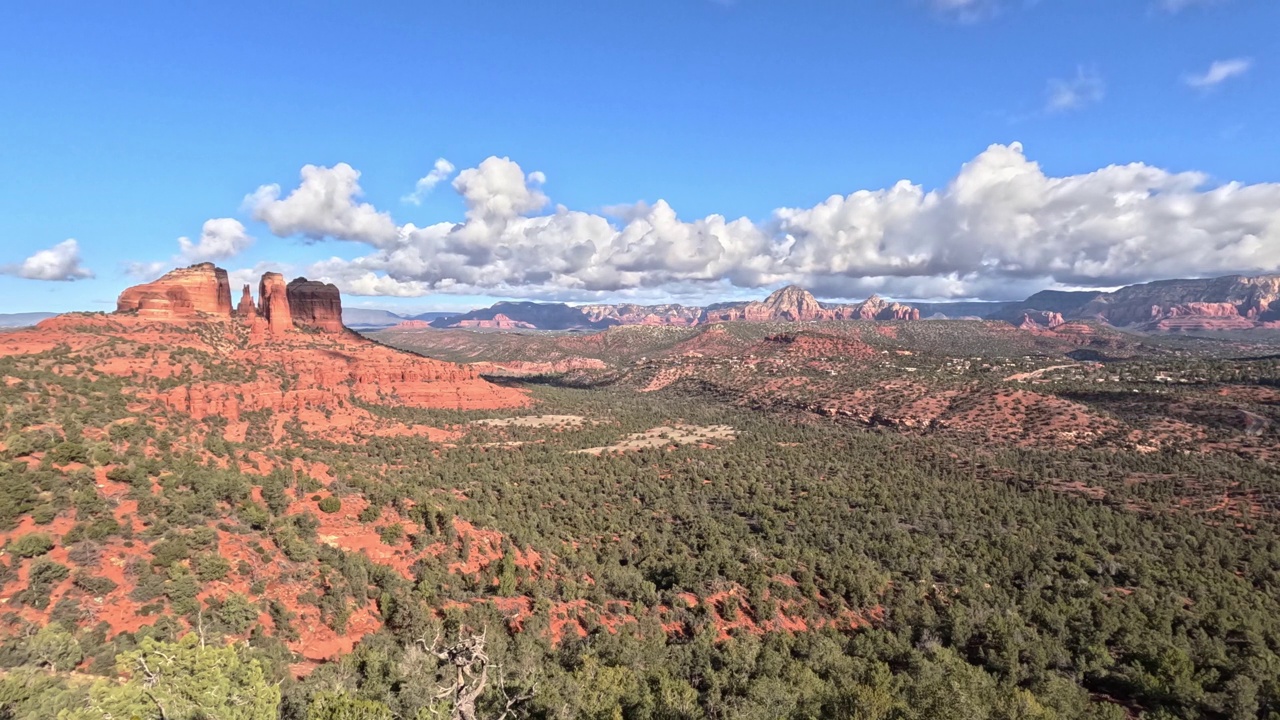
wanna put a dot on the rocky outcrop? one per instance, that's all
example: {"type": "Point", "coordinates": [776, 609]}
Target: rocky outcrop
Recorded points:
{"type": "Point", "coordinates": [204, 291]}
{"type": "Point", "coordinates": [497, 322]}
{"type": "Point", "coordinates": [875, 308]}
{"type": "Point", "coordinates": [1230, 299]}
{"type": "Point", "coordinates": [183, 293]}
{"type": "Point", "coordinates": [315, 305]}
{"type": "Point", "coordinates": [630, 314]}
{"type": "Point", "coordinates": [246, 310]}
{"type": "Point", "coordinates": [273, 303]}
{"type": "Point", "coordinates": [789, 304]}
{"type": "Point", "coordinates": [1041, 320]}
{"type": "Point", "coordinates": [795, 304]}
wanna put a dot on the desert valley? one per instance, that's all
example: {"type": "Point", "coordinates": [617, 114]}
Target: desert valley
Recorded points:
{"type": "Point", "coordinates": [679, 360]}
{"type": "Point", "coordinates": [1046, 513]}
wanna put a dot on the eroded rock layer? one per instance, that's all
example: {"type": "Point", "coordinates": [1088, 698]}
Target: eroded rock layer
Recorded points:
{"type": "Point", "coordinates": [273, 303]}
{"type": "Point", "coordinates": [182, 293]}
{"type": "Point", "coordinates": [315, 305]}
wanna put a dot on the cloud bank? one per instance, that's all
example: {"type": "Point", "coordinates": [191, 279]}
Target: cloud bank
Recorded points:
{"type": "Point", "coordinates": [1001, 226]}
{"type": "Point", "coordinates": [60, 263]}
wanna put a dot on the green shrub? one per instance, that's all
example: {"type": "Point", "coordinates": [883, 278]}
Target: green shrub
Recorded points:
{"type": "Point", "coordinates": [44, 514]}
{"type": "Point", "coordinates": [69, 452]}
{"type": "Point", "coordinates": [93, 584]}
{"type": "Point", "coordinates": [330, 505]}
{"type": "Point", "coordinates": [32, 545]}
{"type": "Point", "coordinates": [210, 567]}
{"type": "Point", "coordinates": [392, 533]}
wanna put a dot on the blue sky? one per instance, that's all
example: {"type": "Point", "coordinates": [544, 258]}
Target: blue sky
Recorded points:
{"type": "Point", "coordinates": [125, 126]}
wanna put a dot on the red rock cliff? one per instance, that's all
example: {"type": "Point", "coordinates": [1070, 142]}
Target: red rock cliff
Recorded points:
{"type": "Point", "coordinates": [315, 305]}
{"type": "Point", "coordinates": [182, 293]}
{"type": "Point", "coordinates": [273, 303]}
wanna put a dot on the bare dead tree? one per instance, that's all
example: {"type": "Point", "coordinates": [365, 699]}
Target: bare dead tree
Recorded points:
{"type": "Point", "coordinates": [471, 675]}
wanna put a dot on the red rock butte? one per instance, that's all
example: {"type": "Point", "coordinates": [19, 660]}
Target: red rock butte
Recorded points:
{"type": "Point", "coordinates": [315, 305]}
{"type": "Point", "coordinates": [185, 292]}
{"type": "Point", "coordinates": [321, 371]}
{"type": "Point", "coordinates": [204, 292]}
{"type": "Point", "coordinates": [273, 303]}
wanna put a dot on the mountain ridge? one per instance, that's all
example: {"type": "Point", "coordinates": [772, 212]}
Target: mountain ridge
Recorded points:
{"type": "Point", "coordinates": [1232, 302]}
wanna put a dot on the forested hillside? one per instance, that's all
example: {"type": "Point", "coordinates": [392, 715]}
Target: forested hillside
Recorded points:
{"type": "Point", "coordinates": [622, 548]}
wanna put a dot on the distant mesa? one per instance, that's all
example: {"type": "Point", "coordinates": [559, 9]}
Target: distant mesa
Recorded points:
{"type": "Point", "coordinates": [527, 315]}
{"type": "Point", "coordinates": [203, 292]}
{"type": "Point", "coordinates": [789, 304]}
{"type": "Point", "coordinates": [632, 314]}
{"type": "Point", "coordinates": [1232, 302]}
{"type": "Point", "coordinates": [498, 321]}
{"type": "Point", "coordinates": [26, 319]}
{"type": "Point", "coordinates": [410, 325]}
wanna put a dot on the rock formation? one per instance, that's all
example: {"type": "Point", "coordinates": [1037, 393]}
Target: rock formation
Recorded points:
{"type": "Point", "coordinates": [1041, 320]}
{"type": "Point", "coordinates": [791, 303]}
{"type": "Point", "coordinates": [182, 293]}
{"type": "Point", "coordinates": [246, 310]}
{"type": "Point", "coordinates": [204, 291]}
{"type": "Point", "coordinates": [630, 314]}
{"type": "Point", "coordinates": [498, 322]}
{"type": "Point", "coordinates": [273, 303]}
{"type": "Point", "coordinates": [795, 304]}
{"type": "Point", "coordinates": [411, 325]}
{"type": "Point", "coordinates": [875, 308]}
{"type": "Point", "coordinates": [315, 305]}
{"type": "Point", "coordinates": [1226, 299]}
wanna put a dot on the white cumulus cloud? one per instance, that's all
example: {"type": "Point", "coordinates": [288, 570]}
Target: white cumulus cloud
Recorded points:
{"type": "Point", "coordinates": [220, 239]}
{"type": "Point", "coordinates": [1000, 228]}
{"type": "Point", "coordinates": [324, 205]}
{"type": "Point", "coordinates": [58, 263]}
{"type": "Point", "coordinates": [1219, 71]}
{"type": "Point", "coordinates": [440, 172]}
